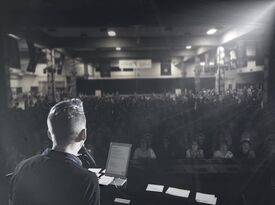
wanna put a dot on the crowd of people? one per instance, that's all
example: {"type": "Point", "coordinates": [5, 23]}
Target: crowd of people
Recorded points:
{"type": "Point", "coordinates": [195, 150]}
{"type": "Point", "coordinates": [160, 126]}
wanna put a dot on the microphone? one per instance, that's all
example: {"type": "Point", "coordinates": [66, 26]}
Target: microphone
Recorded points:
{"type": "Point", "coordinates": [87, 159]}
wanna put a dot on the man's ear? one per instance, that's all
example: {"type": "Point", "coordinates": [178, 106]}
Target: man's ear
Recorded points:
{"type": "Point", "coordinates": [82, 135]}
{"type": "Point", "coordinates": [49, 135]}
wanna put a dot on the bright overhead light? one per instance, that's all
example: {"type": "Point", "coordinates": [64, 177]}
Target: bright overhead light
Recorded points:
{"type": "Point", "coordinates": [111, 33]}
{"type": "Point", "coordinates": [118, 49]}
{"type": "Point", "coordinates": [202, 63]}
{"type": "Point", "coordinates": [13, 36]}
{"type": "Point", "coordinates": [188, 47]}
{"type": "Point", "coordinates": [211, 31]}
{"type": "Point", "coordinates": [211, 63]}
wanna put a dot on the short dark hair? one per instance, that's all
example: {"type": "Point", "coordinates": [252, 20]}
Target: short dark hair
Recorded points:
{"type": "Point", "coordinates": [66, 119]}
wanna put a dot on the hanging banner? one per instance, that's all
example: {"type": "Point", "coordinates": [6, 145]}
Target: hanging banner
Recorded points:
{"type": "Point", "coordinates": [135, 64]}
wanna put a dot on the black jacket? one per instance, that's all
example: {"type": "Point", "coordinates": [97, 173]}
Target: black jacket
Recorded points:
{"type": "Point", "coordinates": [53, 178]}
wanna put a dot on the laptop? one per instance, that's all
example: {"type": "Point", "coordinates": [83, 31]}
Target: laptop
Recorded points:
{"type": "Point", "coordinates": [118, 162]}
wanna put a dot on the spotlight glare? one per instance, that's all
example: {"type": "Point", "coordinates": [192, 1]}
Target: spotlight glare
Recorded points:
{"type": "Point", "coordinates": [188, 47]}
{"type": "Point", "coordinates": [211, 31]}
{"type": "Point", "coordinates": [118, 49]}
{"type": "Point", "coordinates": [202, 63]}
{"type": "Point", "coordinates": [111, 33]}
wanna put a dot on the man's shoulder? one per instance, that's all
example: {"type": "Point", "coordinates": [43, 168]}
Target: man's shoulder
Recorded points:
{"type": "Point", "coordinates": [28, 162]}
{"type": "Point", "coordinates": [38, 160]}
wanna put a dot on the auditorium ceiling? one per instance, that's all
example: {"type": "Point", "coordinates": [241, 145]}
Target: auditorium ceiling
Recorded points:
{"type": "Point", "coordinates": [144, 28]}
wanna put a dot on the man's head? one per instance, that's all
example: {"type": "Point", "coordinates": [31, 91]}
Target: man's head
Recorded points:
{"type": "Point", "coordinates": [67, 123]}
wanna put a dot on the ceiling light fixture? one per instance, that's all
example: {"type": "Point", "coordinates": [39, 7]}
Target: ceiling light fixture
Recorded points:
{"type": "Point", "coordinates": [111, 33]}
{"type": "Point", "coordinates": [188, 47]}
{"type": "Point", "coordinates": [13, 36]}
{"type": "Point", "coordinates": [118, 49]}
{"type": "Point", "coordinates": [211, 31]}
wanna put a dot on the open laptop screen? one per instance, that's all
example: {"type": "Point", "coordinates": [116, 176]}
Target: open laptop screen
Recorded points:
{"type": "Point", "coordinates": [118, 159]}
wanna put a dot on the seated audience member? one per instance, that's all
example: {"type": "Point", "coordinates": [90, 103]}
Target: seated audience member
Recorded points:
{"type": "Point", "coordinates": [269, 146]}
{"type": "Point", "coordinates": [181, 147]}
{"type": "Point", "coordinates": [204, 145]}
{"type": "Point", "coordinates": [228, 138]}
{"type": "Point", "coordinates": [194, 152]}
{"type": "Point", "coordinates": [165, 150]}
{"type": "Point", "coordinates": [223, 152]}
{"type": "Point", "coordinates": [144, 151]}
{"type": "Point", "coordinates": [246, 151]}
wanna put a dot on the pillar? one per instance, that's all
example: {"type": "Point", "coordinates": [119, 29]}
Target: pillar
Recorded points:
{"type": "Point", "coordinates": [269, 81]}
{"type": "Point", "coordinates": [51, 70]}
{"type": "Point", "coordinates": [197, 74]}
{"type": "Point", "coordinates": [5, 90]}
{"type": "Point", "coordinates": [86, 72]}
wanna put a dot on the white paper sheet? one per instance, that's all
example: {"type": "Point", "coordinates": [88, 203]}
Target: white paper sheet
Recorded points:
{"type": "Point", "coordinates": [95, 170]}
{"type": "Point", "coordinates": [211, 202]}
{"type": "Point", "coordinates": [206, 198]}
{"type": "Point", "coordinates": [154, 188]}
{"type": "Point", "coordinates": [105, 180]}
{"type": "Point", "coordinates": [178, 192]}
{"type": "Point", "coordinates": [122, 201]}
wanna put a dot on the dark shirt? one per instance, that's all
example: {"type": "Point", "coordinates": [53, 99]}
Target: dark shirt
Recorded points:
{"type": "Point", "coordinates": [166, 152]}
{"type": "Point", "coordinates": [247, 156]}
{"type": "Point", "coordinates": [53, 178]}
